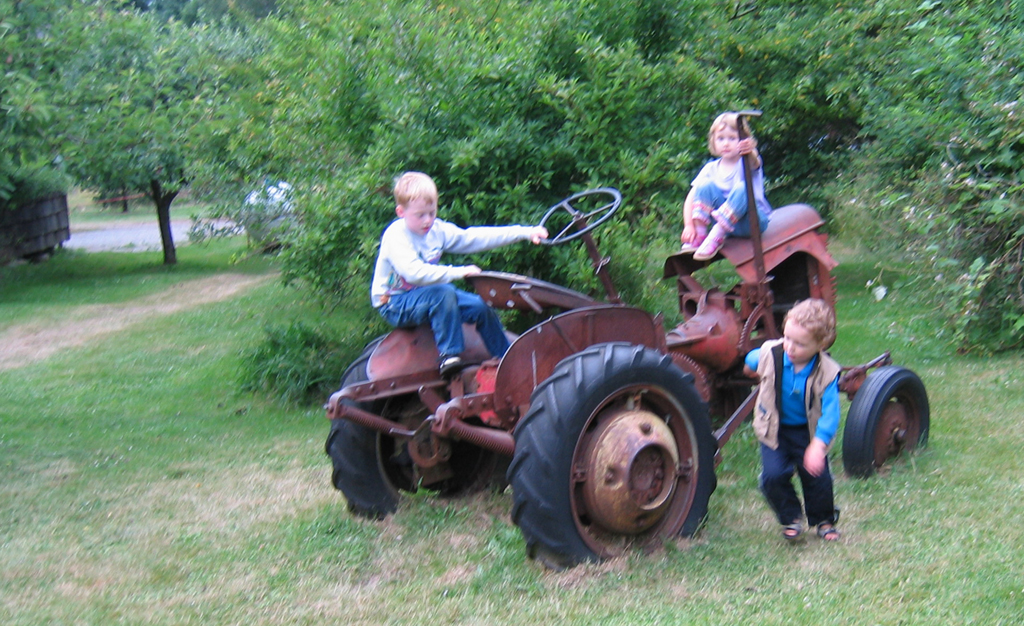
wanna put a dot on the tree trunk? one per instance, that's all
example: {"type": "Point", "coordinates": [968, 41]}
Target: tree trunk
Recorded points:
{"type": "Point", "coordinates": [163, 201]}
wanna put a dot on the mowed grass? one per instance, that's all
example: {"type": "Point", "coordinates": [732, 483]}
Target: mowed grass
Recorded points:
{"type": "Point", "coordinates": [141, 488]}
{"type": "Point", "coordinates": [87, 214]}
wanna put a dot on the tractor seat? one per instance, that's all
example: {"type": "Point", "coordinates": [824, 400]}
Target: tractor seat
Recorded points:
{"type": "Point", "coordinates": [412, 351]}
{"type": "Point", "coordinates": [791, 228]}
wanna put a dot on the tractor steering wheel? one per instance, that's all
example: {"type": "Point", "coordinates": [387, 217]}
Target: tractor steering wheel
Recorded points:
{"type": "Point", "coordinates": [603, 212]}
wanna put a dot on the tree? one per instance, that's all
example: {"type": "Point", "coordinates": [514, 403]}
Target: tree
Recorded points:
{"type": "Point", "coordinates": [31, 53]}
{"type": "Point", "coordinates": [146, 100]}
{"type": "Point", "coordinates": [510, 106]}
{"type": "Point", "coordinates": [195, 11]}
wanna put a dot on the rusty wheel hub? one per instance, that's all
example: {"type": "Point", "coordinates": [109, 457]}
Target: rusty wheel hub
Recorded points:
{"type": "Point", "coordinates": [630, 470]}
{"type": "Point", "coordinates": [893, 434]}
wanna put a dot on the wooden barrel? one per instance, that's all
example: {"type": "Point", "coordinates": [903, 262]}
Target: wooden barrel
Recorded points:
{"type": "Point", "coordinates": [35, 228]}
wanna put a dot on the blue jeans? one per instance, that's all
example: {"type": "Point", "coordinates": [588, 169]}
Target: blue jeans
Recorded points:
{"type": "Point", "coordinates": [776, 482]}
{"type": "Point", "coordinates": [710, 205]}
{"type": "Point", "coordinates": [446, 308]}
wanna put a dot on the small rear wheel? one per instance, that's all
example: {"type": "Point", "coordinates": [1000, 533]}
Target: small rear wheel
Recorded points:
{"type": "Point", "coordinates": [889, 415]}
{"type": "Point", "coordinates": [615, 452]}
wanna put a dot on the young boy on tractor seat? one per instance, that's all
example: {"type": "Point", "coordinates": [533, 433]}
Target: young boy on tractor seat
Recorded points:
{"type": "Point", "coordinates": [410, 287]}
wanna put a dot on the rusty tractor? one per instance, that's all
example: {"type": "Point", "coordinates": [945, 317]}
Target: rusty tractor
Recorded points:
{"type": "Point", "coordinates": [610, 427]}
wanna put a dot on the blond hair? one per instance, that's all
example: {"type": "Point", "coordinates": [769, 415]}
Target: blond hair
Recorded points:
{"type": "Point", "coordinates": [728, 119]}
{"type": "Point", "coordinates": [817, 318]}
{"type": "Point", "coordinates": [414, 186]}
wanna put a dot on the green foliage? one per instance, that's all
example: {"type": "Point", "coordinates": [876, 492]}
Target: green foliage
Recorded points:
{"type": "Point", "coordinates": [989, 298]}
{"type": "Point", "coordinates": [30, 183]}
{"type": "Point", "coordinates": [511, 110]}
{"type": "Point", "coordinates": [295, 363]}
{"type": "Point", "coordinates": [795, 69]}
{"type": "Point", "coordinates": [194, 11]}
{"type": "Point", "coordinates": [145, 101]}
{"type": "Point", "coordinates": [505, 124]}
{"type": "Point", "coordinates": [31, 52]}
{"type": "Point", "coordinates": [146, 104]}
{"type": "Point", "coordinates": [938, 171]}
{"type": "Point", "coordinates": [898, 119]}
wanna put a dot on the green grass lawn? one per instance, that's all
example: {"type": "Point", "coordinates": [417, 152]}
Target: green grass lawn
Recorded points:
{"type": "Point", "coordinates": [141, 488]}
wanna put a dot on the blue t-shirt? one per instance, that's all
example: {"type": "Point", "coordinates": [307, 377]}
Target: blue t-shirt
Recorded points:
{"type": "Point", "coordinates": [794, 388]}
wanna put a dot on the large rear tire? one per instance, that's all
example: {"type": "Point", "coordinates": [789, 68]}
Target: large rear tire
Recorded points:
{"type": "Point", "coordinates": [353, 450]}
{"type": "Point", "coordinates": [616, 451]}
{"type": "Point", "coordinates": [888, 415]}
{"type": "Point", "coordinates": [467, 470]}
{"type": "Point", "coordinates": [372, 469]}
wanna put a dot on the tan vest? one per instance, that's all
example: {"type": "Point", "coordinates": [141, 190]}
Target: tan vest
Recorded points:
{"type": "Point", "coordinates": [766, 411]}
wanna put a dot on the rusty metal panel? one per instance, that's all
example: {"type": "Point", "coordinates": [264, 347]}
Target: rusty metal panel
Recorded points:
{"type": "Point", "coordinates": [534, 355]}
{"type": "Point", "coordinates": [501, 290]}
{"type": "Point", "coordinates": [712, 338]}
{"type": "Point", "coordinates": [412, 350]}
{"type": "Point", "coordinates": [793, 228]}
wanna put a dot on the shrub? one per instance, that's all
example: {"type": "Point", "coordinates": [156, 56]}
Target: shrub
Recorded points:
{"type": "Point", "coordinates": [898, 119]}
{"type": "Point", "coordinates": [296, 363]}
{"type": "Point", "coordinates": [507, 126]}
{"type": "Point", "coordinates": [937, 173]}
{"type": "Point", "coordinates": [30, 183]}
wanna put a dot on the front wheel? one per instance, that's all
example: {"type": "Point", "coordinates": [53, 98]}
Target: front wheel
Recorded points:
{"type": "Point", "coordinates": [616, 451]}
{"type": "Point", "coordinates": [888, 415]}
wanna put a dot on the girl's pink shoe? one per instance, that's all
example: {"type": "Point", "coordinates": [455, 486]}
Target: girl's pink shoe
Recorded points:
{"type": "Point", "coordinates": [701, 229]}
{"type": "Point", "coordinates": [700, 234]}
{"type": "Point", "coordinates": [711, 244]}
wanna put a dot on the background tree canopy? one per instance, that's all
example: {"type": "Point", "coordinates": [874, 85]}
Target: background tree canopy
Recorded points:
{"type": "Point", "coordinates": [899, 120]}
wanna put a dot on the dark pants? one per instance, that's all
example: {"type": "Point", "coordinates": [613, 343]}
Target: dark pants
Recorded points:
{"type": "Point", "coordinates": [776, 482]}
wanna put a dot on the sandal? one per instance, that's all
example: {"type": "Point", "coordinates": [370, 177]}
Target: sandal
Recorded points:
{"type": "Point", "coordinates": [792, 532]}
{"type": "Point", "coordinates": [828, 532]}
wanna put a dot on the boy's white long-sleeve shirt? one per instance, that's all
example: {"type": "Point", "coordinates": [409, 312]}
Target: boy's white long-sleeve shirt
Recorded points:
{"type": "Point", "coordinates": [406, 260]}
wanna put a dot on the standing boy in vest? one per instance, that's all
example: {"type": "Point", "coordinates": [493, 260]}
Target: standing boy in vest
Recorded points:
{"type": "Point", "coordinates": [797, 416]}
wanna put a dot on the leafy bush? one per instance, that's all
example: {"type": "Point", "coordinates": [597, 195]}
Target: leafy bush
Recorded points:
{"type": "Point", "coordinates": [295, 363]}
{"type": "Point", "coordinates": [989, 302]}
{"type": "Point", "coordinates": [506, 125]}
{"type": "Point", "coordinates": [898, 119]}
{"type": "Point", "coordinates": [32, 51]}
{"type": "Point", "coordinates": [30, 183]}
{"type": "Point", "coordinates": [937, 171]}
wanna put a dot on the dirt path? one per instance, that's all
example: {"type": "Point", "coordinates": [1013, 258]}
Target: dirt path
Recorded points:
{"type": "Point", "coordinates": [25, 344]}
